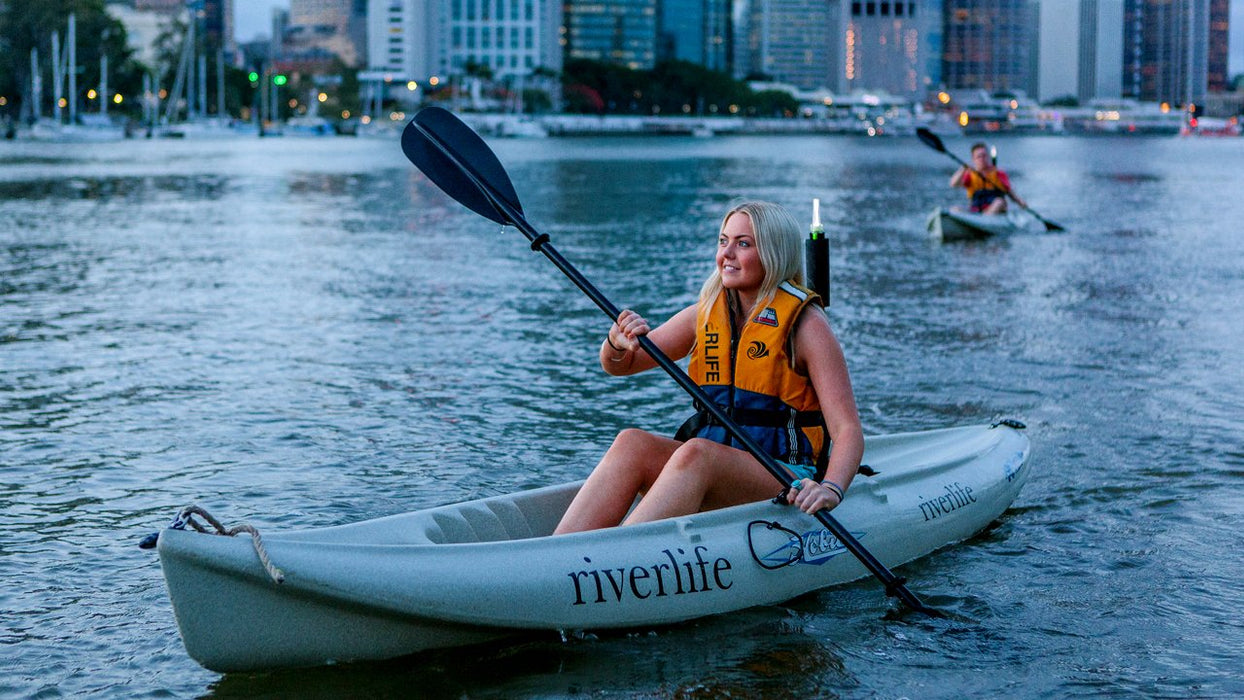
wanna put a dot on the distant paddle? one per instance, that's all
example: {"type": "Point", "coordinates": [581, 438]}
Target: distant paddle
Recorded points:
{"type": "Point", "coordinates": [931, 140]}
{"type": "Point", "coordinates": [460, 163]}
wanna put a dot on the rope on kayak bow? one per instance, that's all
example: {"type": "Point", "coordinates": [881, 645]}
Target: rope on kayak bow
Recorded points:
{"type": "Point", "coordinates": [186, 517]}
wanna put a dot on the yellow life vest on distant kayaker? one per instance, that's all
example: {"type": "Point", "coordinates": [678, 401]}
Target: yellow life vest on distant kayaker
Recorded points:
{"type": "Point", "coordinates": [753, 379]}
{"type": "Point", "coordinates": [983, 189]}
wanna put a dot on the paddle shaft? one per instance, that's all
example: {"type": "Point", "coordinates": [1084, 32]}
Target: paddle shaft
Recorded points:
{"type": "Point", "coordinates": [894, 585]}
{"type": "Point", "coordinates": [932, 140]}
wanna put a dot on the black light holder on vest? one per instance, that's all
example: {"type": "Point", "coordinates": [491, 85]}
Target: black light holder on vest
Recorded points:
{"type": "Point", "coordinates": [816, 256]}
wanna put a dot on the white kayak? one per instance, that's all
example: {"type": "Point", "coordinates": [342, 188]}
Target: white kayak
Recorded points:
{"type": "Point", "coordinates": [952, 225]}
{"type": "Point", "coordinates": [474, 571]}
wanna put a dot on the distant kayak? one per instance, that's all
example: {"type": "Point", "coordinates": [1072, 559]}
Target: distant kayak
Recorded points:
{"type": "Point", "coordinates": [474, 571]}
{"type": "Point", "coordinates": [949, 225]}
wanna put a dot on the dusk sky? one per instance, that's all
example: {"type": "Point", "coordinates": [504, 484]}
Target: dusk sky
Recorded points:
{"type": "Point", "coordinates": [254, 19]}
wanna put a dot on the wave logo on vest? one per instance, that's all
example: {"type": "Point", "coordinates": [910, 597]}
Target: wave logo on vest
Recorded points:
{"type": "Point", "coordinates": [768, 317]}
{"type": "Point", "coordinates": [757, 350]}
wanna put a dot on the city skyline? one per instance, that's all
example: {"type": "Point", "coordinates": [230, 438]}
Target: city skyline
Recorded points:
{"type": "Point", "coordinates": [253, 19]}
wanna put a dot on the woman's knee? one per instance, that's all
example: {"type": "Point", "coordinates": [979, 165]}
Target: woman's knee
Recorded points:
{"type": "Point", "coordinates": [632, 441]}
{"type": "Point", "coordinates": [694, 454]}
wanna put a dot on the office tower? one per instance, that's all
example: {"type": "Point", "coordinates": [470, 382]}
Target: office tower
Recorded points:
{"type": "Point", "coordinates": [987, 44]}
{"type": "Point", "coordinates": [792, 41]}
{"type": "Point", "coordinates": [1079, 49]}
{"type": "Point", "coordinates": [1166, 50]}
{"type": "Point", "coordinates": [612, 31]}
{"type": "Point", "coordinates": [698, 31]}
{"type": "Point", "coordinates": [415, 40]}
{"type": "Point", "coordinates": [882, 47]}
{"type": "Point", "coordinates": [1216, 77]}
{"type": "Point", "coordinates": [324, 25]}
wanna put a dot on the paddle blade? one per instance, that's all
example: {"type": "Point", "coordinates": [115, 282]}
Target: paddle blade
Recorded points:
{"type": "Point", "coordinates": [930, 139]}
{"type": "Point", "coordinates": [458, 161]}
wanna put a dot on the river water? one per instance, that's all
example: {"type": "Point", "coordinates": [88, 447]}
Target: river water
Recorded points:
{"type": "Point", "coordinates": [300, 333]}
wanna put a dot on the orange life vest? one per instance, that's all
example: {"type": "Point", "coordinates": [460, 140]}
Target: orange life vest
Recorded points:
{"type": "Point", "coordinates": [982, 190]}
{"type": "Point", "coordinates": [752, 378]}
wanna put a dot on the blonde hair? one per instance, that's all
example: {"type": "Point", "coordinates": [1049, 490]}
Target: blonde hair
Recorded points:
{"type": "Point", "coordinates": [779, 244]}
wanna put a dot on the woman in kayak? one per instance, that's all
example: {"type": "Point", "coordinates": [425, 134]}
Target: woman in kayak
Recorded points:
{"type": "Point", "coordinates": [987, 186]}
{"type": "Point", "coordinates": [762, 349]}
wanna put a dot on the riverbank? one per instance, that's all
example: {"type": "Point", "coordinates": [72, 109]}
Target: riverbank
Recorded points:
{"type": "Point", "coordinates": [887, 122]}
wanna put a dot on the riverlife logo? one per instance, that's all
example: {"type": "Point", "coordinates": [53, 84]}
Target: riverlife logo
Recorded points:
{"type": "Point", "coordinates": [712, 355]}
{"type": "Point", "coordinates": [956, 497]}
{"type": "Point", "coordinates": [672, 573]}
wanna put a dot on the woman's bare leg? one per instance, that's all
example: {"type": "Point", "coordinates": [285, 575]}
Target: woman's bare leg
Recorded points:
{"type": "Point", "coordinates": [629, 468]}
{"type": "Point", "coordinates": [704, 475]}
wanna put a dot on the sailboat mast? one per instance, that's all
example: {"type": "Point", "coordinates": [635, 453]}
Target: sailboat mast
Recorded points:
{"type": "Point", "coordinates": [103, 83]}
{"type": "Point", "coordinates": [173, 106]}
{"type": "Point", "coordinates": [36, 86]}
{"type": "Point", "coordinates": [202, 86]}
{"type": "Point", "coordinates": [72, 67]}
{"type": "Point", "coordinates": [220, 84]}
{"type": "Point", "coordinates": [58, 76]}
{"type": "Point", "coordinates": [192, 44]}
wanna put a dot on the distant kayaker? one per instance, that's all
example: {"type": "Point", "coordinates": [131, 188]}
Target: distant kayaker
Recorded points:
{"type": "Point", "coordinates": [763, 350]}
{"type": "Point", "coordinates": [987, 185]}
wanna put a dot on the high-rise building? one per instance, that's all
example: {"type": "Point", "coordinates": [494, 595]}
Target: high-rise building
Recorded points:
{"type": "Point", "coordinates": [698, 31]}
{"type": "Point", "coordinates": [932, 40]}
{"type": "Point", "coordinates": [1216, 77]}
{"type": "Point", "coordinates": [791, 41]}
{"type": "Point", "coordinates": [325, 25]}
{"type": "Point", "coordinates": [1079, 49]}
{"type": "Point", "coordinates": [415, 40]}
{"type": "Point", "coordinates": [1166, 50]}
{"type": "Point", "coordinates": [882, 47]}
{"type": "Point", "coordinates": [612, 31]}
{"type": "Point", "coordinates": [987, 44]}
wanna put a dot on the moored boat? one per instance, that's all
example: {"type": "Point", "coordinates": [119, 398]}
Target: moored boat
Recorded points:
{"type": "Point", "coordinates": [951, 225]}
{"type": "Point", "coordinates": [482, 569]}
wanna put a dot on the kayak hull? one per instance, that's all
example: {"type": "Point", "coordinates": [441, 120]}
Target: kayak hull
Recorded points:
{"type": "Point", "coordinates": [949, 225]}
{"type": "Point", "coordinates": [475, 571]}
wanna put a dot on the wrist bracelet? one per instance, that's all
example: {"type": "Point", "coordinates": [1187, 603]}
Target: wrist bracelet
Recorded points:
{"type": "Point", "coordinates": [615, 347]}
{"type": "Point", "coordinates": [835, 488]}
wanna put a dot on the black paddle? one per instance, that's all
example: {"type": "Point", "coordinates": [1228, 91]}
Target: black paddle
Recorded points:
{"type": "Point", "coordinates": [460, 163]}
{"type": "Point", "coordinates": [931, 140]}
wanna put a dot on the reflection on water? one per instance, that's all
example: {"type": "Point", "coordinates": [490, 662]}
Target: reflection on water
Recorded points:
{"type": "Point", "coordinates": [305, 333]}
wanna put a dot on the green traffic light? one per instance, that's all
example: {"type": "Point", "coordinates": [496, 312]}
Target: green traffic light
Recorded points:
{"type": "Point", "coordinates": [279, 80]}
{"type": "Point", "coordinates": [254, 77]}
